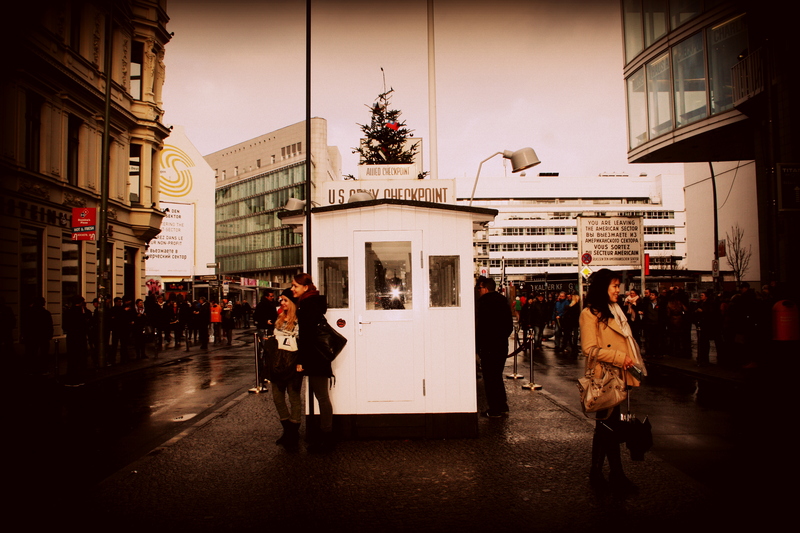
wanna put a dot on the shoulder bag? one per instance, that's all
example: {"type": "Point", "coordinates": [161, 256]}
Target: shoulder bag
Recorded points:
{"type": "Point", "coordinates": [328, 342]}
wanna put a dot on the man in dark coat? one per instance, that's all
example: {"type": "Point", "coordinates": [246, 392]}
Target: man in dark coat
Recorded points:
{"type": "Point", "coordinates": [493, 325]}
{"type": "Point", "coordinates": [37, 332]}
{"type": "Point", "coordinates": [266, 313]}
{"type": "Point", "coordinates": [540, 313]}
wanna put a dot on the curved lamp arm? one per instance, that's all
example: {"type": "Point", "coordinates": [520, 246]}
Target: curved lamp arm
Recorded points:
{"type": "Point", "coordinates": [520, 160]}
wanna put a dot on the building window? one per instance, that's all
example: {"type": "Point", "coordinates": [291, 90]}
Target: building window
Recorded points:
{"type": "Point", "coordinates": [682, 11]}
{"type": "Point", "coordinates": [31, 266]}
{"type": "Point", "coordinates": [70, 267]}
{"type": "Point", "coordinates": [637, 109]}
{"type": "Point", "coordinates": [655, 20]}
{"type": "Point", "coordinates": [659, 106]}
{"type": "Point", "coordinates": [727, 45]}
{"type": "Point", "coordinates": [137, 59]}
{"type": "Point", "coordinates": [335, 281]}
{"type": "Point", "coordinates": [632, 20]}
{"type": "Point", "coordinates": [258, 163]}
{"type": "Point", "coordinates": [134, 173]}
{"type": "Point", "coordinates": [73, 149]}
{"type": "Point", "coordinates": [75, 26]}
{"type": "Point", "coordinates": [690, 81]}
{"type": "Point", "coordinates": [33, 130]}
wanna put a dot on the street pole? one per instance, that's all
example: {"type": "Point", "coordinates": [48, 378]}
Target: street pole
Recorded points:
{"type": "Point", "coordinates": [716, 226]}
{"type": "Point", "coordinates": [102, 218]}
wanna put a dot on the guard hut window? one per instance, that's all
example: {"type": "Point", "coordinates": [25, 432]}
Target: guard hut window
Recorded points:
{"type": "Point", "coordinates": [335, 281]}
{"type": "Point", "coordinates": [443, 274]}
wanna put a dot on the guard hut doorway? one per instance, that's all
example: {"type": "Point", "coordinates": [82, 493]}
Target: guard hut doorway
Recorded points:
{"type": "Point", "coordinates": [398, 276]}
{"type": "Point", "coordinates": [388, 343]}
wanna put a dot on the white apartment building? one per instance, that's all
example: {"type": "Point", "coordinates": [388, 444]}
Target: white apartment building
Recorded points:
{"type": "Point", "coordinates": [534, 237]}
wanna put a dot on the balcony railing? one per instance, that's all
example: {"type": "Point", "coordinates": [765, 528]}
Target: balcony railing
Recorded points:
{"type": "Point", "coordinates": [748, 76]}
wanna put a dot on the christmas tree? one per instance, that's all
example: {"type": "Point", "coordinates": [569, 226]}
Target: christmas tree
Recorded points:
{"type": "Point", "coordinates": [385, 137]}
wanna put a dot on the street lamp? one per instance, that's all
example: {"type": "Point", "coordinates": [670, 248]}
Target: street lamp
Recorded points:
{"type": "Point", "coordinates": [520, 160]}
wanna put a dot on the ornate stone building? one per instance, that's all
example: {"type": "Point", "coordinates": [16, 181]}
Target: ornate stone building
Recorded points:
{"type": "Point", "coordinates": [54, 108]}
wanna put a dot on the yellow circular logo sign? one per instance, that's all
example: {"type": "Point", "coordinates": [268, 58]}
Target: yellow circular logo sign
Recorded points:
{"type": "Point", "coordinates": [176, 176]}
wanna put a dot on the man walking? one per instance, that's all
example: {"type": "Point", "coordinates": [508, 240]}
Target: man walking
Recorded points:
{"type": "Point", "coordinates": [493, 325]}
{"type": "Point", "coordinates": [559, 309]}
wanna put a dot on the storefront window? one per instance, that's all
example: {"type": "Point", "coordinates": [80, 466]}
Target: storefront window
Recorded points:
{"type": "Point", "coordinates": [30, 265]}
{"type": "Point", "coordinates": [444, 279]}
{"type": "Point", "coordinates": [690, 81]}
{"type": "Point", "coordinates": [70, 267]}
{"type": "Point", "coordinates": [637, 109]}
{"type": "Point", "coordinates": [727, 45]}
{"type": "Point", "coordinates": [659, 108]}
{"type": "Point", "coordinates": [335, 281]}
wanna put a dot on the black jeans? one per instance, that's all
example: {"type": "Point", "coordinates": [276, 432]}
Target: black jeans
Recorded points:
{"type": "Point", "coordinates": [492, 366]}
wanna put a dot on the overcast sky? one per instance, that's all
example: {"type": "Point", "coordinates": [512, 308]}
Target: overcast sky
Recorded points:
{"type": "Point", "coordinates": [509, 74]}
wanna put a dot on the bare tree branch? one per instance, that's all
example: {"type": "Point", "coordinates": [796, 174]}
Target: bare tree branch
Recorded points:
{"type": "Point", "coordinates": [738, 256]}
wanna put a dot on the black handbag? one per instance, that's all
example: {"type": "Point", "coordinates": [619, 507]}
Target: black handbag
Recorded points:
{"type": "Point", "coordinates": [328, 342]}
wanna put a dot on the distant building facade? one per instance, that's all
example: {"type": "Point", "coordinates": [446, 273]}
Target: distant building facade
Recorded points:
{"type": "Point", "coordinates": [254, 180]}
{"type": "Point", "coordinates": [533, 241]}
{"type": "Point", "coordinates": [713, 84]}
{"type": "Point", "coordinates": [178, 259]}
{"type": "Point", "coordinates": [51, 142]}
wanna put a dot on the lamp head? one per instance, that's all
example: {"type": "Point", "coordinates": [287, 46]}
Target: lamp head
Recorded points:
{"type": "Point", "coordinates": [362, 196]}
{"type": "Point", "coordinates": [521, 159]}
{"type": "Point", "coordinates": [293, 204]}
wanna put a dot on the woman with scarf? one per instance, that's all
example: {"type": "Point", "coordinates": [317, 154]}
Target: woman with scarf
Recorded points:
{"type": "Point", "coordinates": [311, 308]}
{"type": "Point", "coordinates": [282, 371]}
{"type": "Point", "coordinates": [607, 342]}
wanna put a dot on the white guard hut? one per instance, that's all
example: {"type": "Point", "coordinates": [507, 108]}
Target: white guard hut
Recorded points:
{"type": "Point", "coordinates": [398, 276]}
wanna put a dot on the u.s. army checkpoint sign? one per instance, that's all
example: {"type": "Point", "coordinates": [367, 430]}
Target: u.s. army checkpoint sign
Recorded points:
{"type": "Point", "coordinates": [610, 241]}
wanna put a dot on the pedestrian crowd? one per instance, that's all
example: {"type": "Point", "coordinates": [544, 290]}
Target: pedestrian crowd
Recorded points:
{"type": "Point", "coordinates": [130, 327]}
{"type": "Point", "coordinates": [662, 322]}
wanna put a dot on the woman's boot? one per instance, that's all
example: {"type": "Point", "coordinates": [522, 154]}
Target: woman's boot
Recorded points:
{"type": "Point", "coordinates": [285, 435]}
{"type": "Point", "coordinates": [619, 483]}
{"type": "Point", "coordinates": [292, 434]}
{"type": "Point", "coordinates": [596, 478]}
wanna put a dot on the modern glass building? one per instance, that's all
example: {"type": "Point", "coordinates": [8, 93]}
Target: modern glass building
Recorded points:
{"type": "Point", "coordinates": [714, 83]}
{"type": "Point", "coordinates": [255, 179]}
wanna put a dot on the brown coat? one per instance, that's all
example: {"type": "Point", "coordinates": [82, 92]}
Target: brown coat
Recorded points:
{"type": "Point", "coordinates": [604, 343]}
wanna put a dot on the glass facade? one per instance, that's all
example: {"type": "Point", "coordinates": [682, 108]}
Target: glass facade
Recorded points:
{"type": "Point", "coordinates": [249, 235]}
{"type": "Point", "coordinates": [637, 109]}
{"type": "Point", "coordinates": [727, 45]}
{"type": "Point", "coordinates": [689, 80]}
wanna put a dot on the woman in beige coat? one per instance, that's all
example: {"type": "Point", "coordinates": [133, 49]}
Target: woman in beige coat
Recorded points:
{"type": "Point", "coordinates": [607, 342]}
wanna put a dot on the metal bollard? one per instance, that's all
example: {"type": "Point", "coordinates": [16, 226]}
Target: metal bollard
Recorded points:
{"type": "Point", "coordinates": [260, 387]}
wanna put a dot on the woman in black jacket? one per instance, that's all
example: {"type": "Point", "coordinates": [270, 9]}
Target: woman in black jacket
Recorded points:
{"type": "Point", "coordinates": [311, 308]}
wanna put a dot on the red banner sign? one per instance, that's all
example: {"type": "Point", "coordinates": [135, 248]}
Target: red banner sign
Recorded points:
{"type": "Point", "coordinates": [84, 223]}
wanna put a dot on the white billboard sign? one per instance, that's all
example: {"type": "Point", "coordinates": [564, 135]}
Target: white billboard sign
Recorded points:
{"type": "Point", "coordinates": [611, 241]}
{"type": "Point", "coordinates": [171, 253]}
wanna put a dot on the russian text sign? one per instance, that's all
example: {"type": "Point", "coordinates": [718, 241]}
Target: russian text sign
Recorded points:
{"type": "Point", "coordinates": [611, 241]}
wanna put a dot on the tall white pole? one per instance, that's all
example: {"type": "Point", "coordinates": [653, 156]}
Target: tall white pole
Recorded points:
{"type": "Point", "coordinates": [434, 156]}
